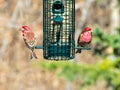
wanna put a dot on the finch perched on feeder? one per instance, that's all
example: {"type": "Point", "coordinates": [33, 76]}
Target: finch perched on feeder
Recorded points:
{"type": "Point", "coordinates": [29, 39]}
{"type": "Point", "coordinates": [84, 38]}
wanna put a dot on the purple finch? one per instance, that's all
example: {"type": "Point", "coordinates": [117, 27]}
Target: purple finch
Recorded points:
{"type": "Point", "coordinates": [29, 39]}
{"type": "Point", "coordinates": [84, 38]}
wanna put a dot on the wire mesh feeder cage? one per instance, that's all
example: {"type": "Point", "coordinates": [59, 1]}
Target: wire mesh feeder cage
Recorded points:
{"type": "Point", "coordinates": [58, 29]}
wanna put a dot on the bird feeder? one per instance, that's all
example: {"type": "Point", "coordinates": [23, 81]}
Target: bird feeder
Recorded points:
{"type": "Point", "coordinates": [58, 29]}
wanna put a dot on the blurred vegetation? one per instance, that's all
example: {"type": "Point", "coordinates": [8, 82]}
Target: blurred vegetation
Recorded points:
{"type": "Point", "coordinates": [106, 70]}
{"type": "Point", "coordinates": [104, 41]}
{"type": "Point", "coordinates": [118, 3]}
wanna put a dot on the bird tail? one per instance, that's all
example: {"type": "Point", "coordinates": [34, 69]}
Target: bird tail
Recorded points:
{"type": "Point", "coordinates": [33, 55]}
{"type": "Point", "coordinates": [78, 51]}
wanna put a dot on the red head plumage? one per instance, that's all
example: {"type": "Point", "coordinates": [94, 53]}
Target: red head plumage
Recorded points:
{"type": "Point", "coordinates": [26, 28]}
{"type": "Point", "coordinates": [87, 29]}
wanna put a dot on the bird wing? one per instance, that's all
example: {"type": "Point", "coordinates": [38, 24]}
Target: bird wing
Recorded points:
{"type": "Point", "coordinates": [30, 36]}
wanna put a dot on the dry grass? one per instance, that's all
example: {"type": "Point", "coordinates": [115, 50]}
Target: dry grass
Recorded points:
{"type": "Point", "coordinates": [23, 76]}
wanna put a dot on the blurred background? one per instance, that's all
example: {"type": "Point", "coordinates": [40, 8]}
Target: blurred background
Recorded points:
{"type": "Point", "coordinates": [100, 65]}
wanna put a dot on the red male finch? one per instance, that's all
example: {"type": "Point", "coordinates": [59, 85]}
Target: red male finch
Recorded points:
{"type": "Point", "coordinates": [29, 39]}
{"type": "Point", "coordinates": [84, 38]}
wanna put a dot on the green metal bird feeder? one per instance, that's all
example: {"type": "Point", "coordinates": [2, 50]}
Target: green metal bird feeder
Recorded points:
{"type": "Point", "coordinates": [58, 29]}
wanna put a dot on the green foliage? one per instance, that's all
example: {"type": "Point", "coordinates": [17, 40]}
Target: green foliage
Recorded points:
{"type": "Point", "coordinates": [118, 3]}
{"type": "Point", "coordinates": [100, 1]}
{"type": "Point", "coordinates": [101, 37]}
{"type": "Point", "coordinates": [102, 41]}
{"type": "Point", "coordinates": [105, 70]}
